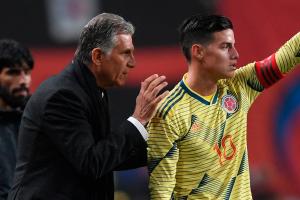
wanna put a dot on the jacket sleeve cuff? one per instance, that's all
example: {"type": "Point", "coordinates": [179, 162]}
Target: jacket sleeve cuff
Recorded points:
{"type": "Point", "coordinates": [140, 127]}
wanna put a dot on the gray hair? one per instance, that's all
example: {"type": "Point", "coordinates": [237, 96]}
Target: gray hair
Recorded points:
{"type": "Point", "coordinates": [100, 32]}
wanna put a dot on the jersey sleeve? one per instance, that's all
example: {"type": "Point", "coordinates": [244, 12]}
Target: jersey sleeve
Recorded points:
{"type": "Point", "coordinates": [257, 76]}
{"type": "Point", "coordinates": [272, 69]}
{"type": "Point", "coordinates": [248, 82]}
{"type": "Point", "coordinates": [162, 156]}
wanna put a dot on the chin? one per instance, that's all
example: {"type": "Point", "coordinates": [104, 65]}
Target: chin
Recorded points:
{"type": "Point", "coordinates": [230, 75]}
{"type": "Point", "coordinates": [120, 83]}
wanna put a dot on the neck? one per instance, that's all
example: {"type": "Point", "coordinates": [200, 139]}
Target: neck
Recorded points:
{"type": "Point", "coordinates": [201, 82]}
{"type": "Point", "coordinates": [100, 79]}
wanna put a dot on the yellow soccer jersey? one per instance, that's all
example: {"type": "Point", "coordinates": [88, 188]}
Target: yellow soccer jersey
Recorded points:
{"type": "Point", "coordinates": [198, 149]}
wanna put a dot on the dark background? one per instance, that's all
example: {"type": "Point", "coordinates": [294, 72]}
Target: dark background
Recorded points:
{"type": "Point", "coordinates": [156, 21]}
{"type": "Point", "coordinates": [260, 28]}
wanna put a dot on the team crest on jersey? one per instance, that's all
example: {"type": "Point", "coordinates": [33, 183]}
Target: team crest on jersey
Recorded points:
{"type": "Point", "coordinates": [229, 103]}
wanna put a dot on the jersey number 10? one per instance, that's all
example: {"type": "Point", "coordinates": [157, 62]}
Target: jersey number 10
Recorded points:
{"type": "Point", "coordinates": [223, 155]}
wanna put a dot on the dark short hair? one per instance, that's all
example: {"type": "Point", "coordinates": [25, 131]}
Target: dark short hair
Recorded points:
{"type": "Point", "coordinates": [199, 29]}
{"type": "Point", "coordinates": [100, 32]}
{"type": "Point", "coordinates": [12, 54]}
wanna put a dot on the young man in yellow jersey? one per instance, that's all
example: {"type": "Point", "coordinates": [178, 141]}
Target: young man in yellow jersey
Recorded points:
{"type": "Point", "coordinates": [197, 146]}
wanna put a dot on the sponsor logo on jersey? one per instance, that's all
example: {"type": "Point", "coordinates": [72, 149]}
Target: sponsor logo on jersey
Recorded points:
{"type": "Point", "coordinates": [229, 103]}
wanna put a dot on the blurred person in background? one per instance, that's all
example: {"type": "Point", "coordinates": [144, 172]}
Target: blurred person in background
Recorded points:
{"type": "Point", "coordinates": [16, 64]}
{"type": "Point", "coordinates": [66, 147]}
{"type": "Point", "coordinates": [261, 185]}
{"type": "Point", "coordinates": [197, 138]}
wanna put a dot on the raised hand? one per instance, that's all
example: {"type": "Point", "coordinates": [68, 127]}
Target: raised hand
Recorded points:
{"type": "Point", "coordinates": [148, 98]}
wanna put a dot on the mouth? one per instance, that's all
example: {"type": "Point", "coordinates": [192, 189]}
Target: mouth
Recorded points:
{"type": "Point", "coordinates": [125, 73]}
{"type": "Point", "coordinates": [233, 66]}
{"type": "Point", "coordinates": [21, 92]}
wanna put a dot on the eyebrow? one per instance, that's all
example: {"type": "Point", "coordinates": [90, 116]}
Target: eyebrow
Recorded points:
{"type": "Point", "coordinates": [23, 68]}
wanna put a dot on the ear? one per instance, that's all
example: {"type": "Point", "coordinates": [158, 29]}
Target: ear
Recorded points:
{"type": "Point", "coordinates": [97, 56]}
{"type": "Point", "coordinates": [197, 51]}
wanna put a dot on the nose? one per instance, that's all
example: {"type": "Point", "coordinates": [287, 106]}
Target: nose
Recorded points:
{"type": "Point", "coordinates": [131, 62]}
{"type": "Point", "coordinates": [24, 78]}
{"type": "Point", "coordinates": [234, 53]}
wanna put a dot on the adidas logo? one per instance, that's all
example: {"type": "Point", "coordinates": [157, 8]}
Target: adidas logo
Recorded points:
{"type": "Point", "coordinates": [195, 127]}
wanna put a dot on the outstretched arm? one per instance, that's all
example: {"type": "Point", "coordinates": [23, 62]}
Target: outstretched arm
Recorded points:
{"type": "Point", "coordinates": [257, 76]}
{"type": "Point", "coordinates": [271, 69]}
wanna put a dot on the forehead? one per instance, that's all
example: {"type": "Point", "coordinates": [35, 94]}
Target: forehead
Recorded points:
{"type": "Point", "coordinates": [225, 36]}
{"type": "Point", "coordinates": [124, 41]}
{"type": "Point", "coordinates": [22, 66]}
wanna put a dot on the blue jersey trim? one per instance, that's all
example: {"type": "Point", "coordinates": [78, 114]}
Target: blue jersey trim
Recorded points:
{"type": "Point", "coordinates": [196, 96]}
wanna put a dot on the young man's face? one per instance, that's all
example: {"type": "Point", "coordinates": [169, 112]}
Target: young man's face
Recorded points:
{"type": "Point", "coordinates": [116, 64]}
{"type": "Point", "coordinates": [220, 55]}
{"type": "Point", "coordinates": [14, 84]}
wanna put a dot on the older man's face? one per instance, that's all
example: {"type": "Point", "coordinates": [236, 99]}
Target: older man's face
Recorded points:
{"type": "Point", "coordinates": [116, 65]}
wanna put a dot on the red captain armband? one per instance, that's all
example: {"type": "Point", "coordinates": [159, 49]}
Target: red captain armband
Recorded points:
{"type": "Point", "coordinates": [267, 71]}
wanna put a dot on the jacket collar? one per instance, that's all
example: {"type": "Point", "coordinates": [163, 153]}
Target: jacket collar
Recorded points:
{"type": "Point", "coordinates": [98, 96]}
{"type": "Point", "coordinates": [87, 81]}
